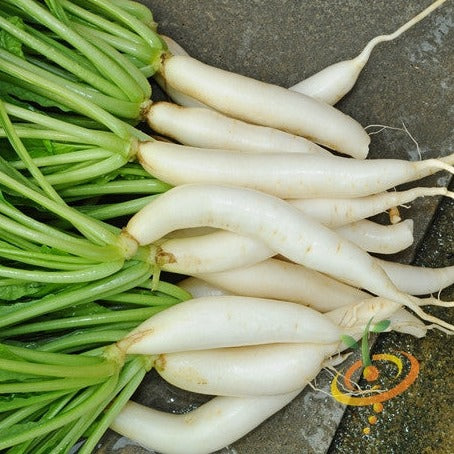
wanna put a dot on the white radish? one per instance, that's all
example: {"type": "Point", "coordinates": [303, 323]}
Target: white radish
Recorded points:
{"type": "Point", "coordinates": [265, 104]}
{"type": "Point", "coordinates": [240, 371]}
{"type": "Point", "coordinates": [336, 212]}
{"type": "Point", "coordinates": [404, 322]}
{"type": "Point", "coordinates": [418, 280]}
{"type": "Point", "coordinates": [190, 233]}
{"type": "Point", "coordinates": [178, 97]}
{"type": "Point", "coordinates": [335, 81]}
{"type": "Point", "coordinates": [286, 281]}
{"type": "Point", "coordinates": [353, 318]}
{"type": "Point", "coordinates": [283, 228]}
{"type": "Point", "coordinates": [381, 239]}
{"type": "Point", "coordinates": [245, 371]}
{"type": "Point", "coordinates": [212, 426]}
{"type": "Point", "coordinates": [183, 252]}
{"type": "Point", "coordinates": [212, 252]}
{"type": "Point", "coordinates": [201, 127]}
{"type": "Point", "coordinates": [228, 321]}
{"type": "Point", "coordinates": [279, 279]}
{"type": "Point", "coordinates": [285, 175]}
{"type": "Point", "coordinates": [198, 288]}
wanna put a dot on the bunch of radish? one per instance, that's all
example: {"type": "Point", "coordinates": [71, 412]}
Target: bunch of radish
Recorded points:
{"type": "Point", "coordinates": [273, 215]}
{"type": "Point", "coordinates": [258, 208]}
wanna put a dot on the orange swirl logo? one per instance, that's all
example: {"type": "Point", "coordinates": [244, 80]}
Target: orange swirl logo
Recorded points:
{"type": "Point", "coordinates": [345, 391]}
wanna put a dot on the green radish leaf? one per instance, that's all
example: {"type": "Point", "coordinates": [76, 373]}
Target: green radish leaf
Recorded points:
{"type": "Point", "coordinates": [7, 401]}
{"type": "Point", "coordinates": [43, 147]}
{"type": "Point", "coordinates": [55, 148]}
{"type": "Point", "coordinates": [13, 377]}
{"type": "Point", "coordinates": [10, 402]}
{"type": "Point", "coordinates": [18, 428]}
{"type": "Point", "coordinates": [380, 326]}
{"type": "Point", "coordinates": [17, 291]}
{"type": "Point", "coordinates": [6, 353]}
{"type": "Point", "coordinates": [9, 42]}
{"type": "Point", "coordinates": [18, 95]}
{"type": "Point", "coordinates": [5, 310]}
{"type": "Point", "coordinates": [349, 341]}
{"type": "Point", "coordinates": [36, 148]}
{"type": "Point", "coordinates": [7, 376]}
{"type": "Point", "coordinates": [41, 289]}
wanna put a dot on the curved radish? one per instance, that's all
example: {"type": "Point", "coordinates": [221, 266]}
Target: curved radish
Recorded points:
{"type": "Point", "coordinates": [210, 427]}
{"type": "Point", "coordinates": [336, 212]}
{"type": "Point", "coordinates": [283, 228]}
{"type": "Point", "coordinates": [381, 239]}
{"type": "Point", "coordinates": [279, 279]}
{"type": "Point", "coordinates": [205, 128]}
{"type": "Point", "coordinates": [403, 321]}
{"type": "Point", "coordinates": [354, 317]}
{"type": "Point", "coordinates": [245, 371]}
{"type": "Point", "coordinates": [181, 252]}
{"type": "Point", "coordinates": [228, 321]}
{"type": "Point", "coordinates": [286, 281]}
{"type": "Point", "coordinates": [418, 280]}
{"type": "Point", "coordinates": [217, 251]}
{"type": "Point", "coordinates": [240, 371]}
{"type": "Point", "coordinates": [249, 100]}
{"type": "Point", "coordinates": [198, 288]}
{"type": "Point", "coordinates": [285, 175]}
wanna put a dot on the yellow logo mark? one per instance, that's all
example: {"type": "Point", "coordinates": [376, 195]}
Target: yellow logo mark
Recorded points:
{"type": "Point", "coordinates": [371, 373]}
{"type": "Point", "coordinates": [345, 391]}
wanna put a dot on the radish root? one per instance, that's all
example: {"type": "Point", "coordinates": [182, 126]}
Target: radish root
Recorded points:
{"type": "Point", "coordinates": [364, 56]}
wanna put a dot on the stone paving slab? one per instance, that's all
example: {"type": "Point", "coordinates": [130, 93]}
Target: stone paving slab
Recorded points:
{"type": "Point", "coordinates": [408, 81]}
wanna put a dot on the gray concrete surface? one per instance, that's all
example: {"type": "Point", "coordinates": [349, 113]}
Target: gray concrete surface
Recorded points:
{"type": "Point", "coordinates": [406, 81]}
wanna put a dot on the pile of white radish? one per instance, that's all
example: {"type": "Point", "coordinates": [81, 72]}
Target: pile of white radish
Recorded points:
{"type": "Point", "coordinates": [272, 229]}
